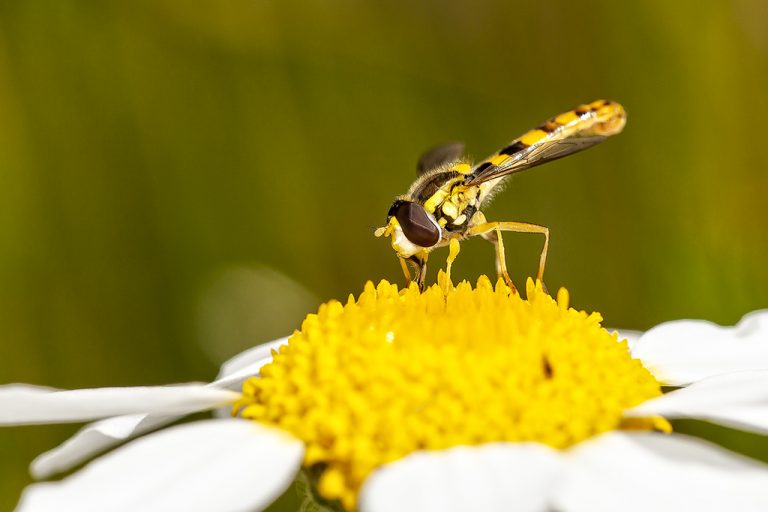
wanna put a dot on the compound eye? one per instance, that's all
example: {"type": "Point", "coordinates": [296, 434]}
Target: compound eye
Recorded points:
{"type": "Point", "coordinates": [416, 224]}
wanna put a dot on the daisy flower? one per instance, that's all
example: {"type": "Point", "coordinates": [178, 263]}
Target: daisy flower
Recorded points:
{"type": "Point", "coordinates": [465, 398]}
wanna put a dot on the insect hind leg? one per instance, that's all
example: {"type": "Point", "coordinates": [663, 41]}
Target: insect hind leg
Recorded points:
{"type": "Point", "coordinates": [491, 231]}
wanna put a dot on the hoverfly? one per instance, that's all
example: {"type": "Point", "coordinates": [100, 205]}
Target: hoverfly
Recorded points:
{"type": "Point", "coordinates": [443, 204]}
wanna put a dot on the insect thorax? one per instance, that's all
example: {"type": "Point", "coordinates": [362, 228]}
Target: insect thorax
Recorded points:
{"type": "Point", "coordinates": [444, 194]}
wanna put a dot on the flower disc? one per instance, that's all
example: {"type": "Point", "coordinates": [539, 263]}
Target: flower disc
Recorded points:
{"type": "Point", "coordinates": [395, 371]}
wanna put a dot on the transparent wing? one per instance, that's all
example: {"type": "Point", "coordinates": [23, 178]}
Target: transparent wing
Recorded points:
{"type": "Point", "coordinates": [439, 155]}
{"type": "Point", "coordinates": [531, 156]}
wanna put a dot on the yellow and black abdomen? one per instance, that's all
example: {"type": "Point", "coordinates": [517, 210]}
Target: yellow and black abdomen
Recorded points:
{"type": "Point", "coordinates": [601, 117]}
{"type": "Point", "coordinates": [562, 135]}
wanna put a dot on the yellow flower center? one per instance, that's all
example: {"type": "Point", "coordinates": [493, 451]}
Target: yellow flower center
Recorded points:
{"type": "Point", "coordinates": [370, 381]}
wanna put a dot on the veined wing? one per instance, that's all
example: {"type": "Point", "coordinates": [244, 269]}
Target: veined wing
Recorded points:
{"type": "Point", "coordinates": [563, 135]}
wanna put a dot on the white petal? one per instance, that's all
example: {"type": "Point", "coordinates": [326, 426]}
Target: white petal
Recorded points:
{"type": "Point", "coordinates": [685, 351]}
{"type": "Point", "coordinates": [246, 364]}
{"type": "Point", "coordinates": [652, 471]}
{"type": "Point", "coordinates": [23, 404]}
{"type": "Point", "coordinates": [234, 380]}
{"type": "Point", "coordinates": [222, 465]}
{"type": "Point", "coordinates": [250, 356]}
{"type": "Point", "coordinates": [738, 399]}
{"type": "Point", "coordinates": [98, 437]}
{"type": "Point", "coordinates": [492, 477]}
{"type": "Point", "coordinates": [93, 439]}
{"type": "Point", "coordinates": [105, 434]}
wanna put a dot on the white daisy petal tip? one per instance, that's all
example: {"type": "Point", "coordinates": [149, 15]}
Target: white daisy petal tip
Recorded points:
{"type": "Point", "coordinates": [224, 465]}
{"type": "Point", "coordinates": [492, 477]}
{"type": "Point", "coordinates": [684, 351]}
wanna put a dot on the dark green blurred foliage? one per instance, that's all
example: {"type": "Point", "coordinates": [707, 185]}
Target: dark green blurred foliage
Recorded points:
{"type": "Point", "coordinates": [148, 147]}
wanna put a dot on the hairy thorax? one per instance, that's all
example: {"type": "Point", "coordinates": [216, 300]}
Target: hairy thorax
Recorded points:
{"type": "Point", "coordinates": [454, 205]}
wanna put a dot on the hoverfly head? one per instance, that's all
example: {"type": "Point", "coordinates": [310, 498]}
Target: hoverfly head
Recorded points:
{"type": "Point", "coordinates": [416, 224]}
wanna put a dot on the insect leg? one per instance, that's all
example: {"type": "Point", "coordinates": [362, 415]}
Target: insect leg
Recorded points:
{"type": "Point", "coordinates": [407, 272]}
{"type": "Point", "coordinates": [489, 229]}
{"type": "Point", "coordinates": [419, 264]}
{"type": "Point", "coordinates": [493, 235]}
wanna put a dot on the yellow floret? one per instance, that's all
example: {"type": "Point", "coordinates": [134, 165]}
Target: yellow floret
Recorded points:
{"type": "Point", "coordinates": [370, 381]}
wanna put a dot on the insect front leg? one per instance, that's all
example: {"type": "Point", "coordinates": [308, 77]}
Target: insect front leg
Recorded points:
{"type": "Point", "coordinates": [419, 264]}
{"type": "Point", "coordinates": [491, 231]}
{"type": "Point", "coordinates": [406, 272]}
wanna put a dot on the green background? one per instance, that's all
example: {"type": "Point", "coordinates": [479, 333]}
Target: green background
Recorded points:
{"type": "Point", "coordinates": [181, 179]}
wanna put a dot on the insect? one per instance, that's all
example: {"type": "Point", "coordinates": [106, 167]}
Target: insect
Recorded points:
{"type": "Point", "coordinates": [443, 204]}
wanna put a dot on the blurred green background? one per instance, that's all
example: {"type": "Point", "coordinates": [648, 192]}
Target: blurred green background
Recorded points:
{"type": "Point", "coordinates": [180, 180]}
